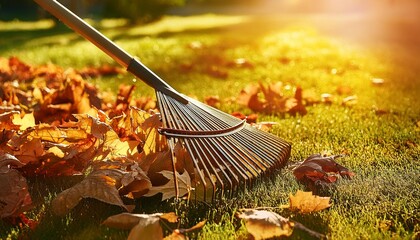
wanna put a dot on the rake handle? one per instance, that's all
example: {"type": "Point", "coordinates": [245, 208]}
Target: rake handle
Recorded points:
{"type": "Point", "coordinates": [132, 65]}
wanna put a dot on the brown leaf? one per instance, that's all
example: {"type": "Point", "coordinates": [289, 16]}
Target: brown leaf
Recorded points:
{"type": "Point", "coordinates": [147, 228]}
{"type": "Point", "coordinates": [305, 202]}
{"type": "Point", "coordinates": [129, 220]}
{"type": "Point", "coordinates": [7, 120]}
{"type": "Point", "coordinates": [249, 97]}
{"type": "Point", "coordinates": [176, 236]}
{"type": "Point", "coordinates": [14, 195]}
{"type": "Point", "coordinates": [263, 224]}
{"type": "Point", "coordinates": [143, 226]}
{"type": "Point", "coordinates": [102, 184]}
{"type": "Point", "coordinates": [170, 217]}
{"type": "Point", "coordinates": [317, 168]}
{"type": "Point", "coordinates": [198, 226]}
{"type": "Point", "coordinates": [213, 101]}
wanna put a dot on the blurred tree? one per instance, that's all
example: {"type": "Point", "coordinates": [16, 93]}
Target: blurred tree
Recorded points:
{"type": "Point", "coordinates": [140, 10]}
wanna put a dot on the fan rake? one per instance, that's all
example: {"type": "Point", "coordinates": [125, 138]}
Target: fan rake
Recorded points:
{"type": "Point", "coordinates": [227, 153]}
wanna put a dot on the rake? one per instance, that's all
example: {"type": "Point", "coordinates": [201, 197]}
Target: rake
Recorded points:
{"type": "Point", "coordinates": [227, 153]}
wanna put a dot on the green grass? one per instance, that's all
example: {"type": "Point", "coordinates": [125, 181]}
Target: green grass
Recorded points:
{"type": "Point", "coordinates": [381, 202]}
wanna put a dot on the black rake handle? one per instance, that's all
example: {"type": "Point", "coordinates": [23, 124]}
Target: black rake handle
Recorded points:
{"type": "Point", "coordinates": [132, 65]}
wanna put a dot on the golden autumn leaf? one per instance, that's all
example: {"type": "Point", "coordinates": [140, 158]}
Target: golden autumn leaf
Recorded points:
{"type": "Point", "coordinates": [305, 202]}
{"type": "Point", "coordinates": [27, 121]}
{"type": "Point", "coordinates": [262, 224]}
{"type": "Point", "coordinates": [169, 190]}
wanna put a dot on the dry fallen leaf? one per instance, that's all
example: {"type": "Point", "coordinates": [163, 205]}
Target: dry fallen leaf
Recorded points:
{"type": "Point", "coordinates": [305, 202]}
{"type": "Point", "coordinates": [320, 169]}
{"type": "Point", "coordinates": [143, 226]}
{"type": "Point", "coordinates": [14, 195]}
{"type": "Point", "coordinates": [262, 224]}
{"type": "Point", "coordinates": [271, 99]}
{"type": "Point", "coordinates": [168, 190]}
{"type": "Point", "coordinates": [102, 184]}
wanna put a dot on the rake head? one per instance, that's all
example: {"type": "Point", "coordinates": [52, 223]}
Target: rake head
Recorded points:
{"type": "Point", "coordinates": [227, 153]}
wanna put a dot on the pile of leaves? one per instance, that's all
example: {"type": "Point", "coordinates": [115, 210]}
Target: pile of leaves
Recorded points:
{"type": "Point", "coordinates": [53, 123]}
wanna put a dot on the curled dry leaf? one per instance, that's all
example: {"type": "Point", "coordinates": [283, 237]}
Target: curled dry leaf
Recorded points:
{"type": "Point", "coordinates": [305, 202]}
{"type": "Point", "coordinates": [14, 195]}
{"type": "Point", "coordinates": [320, 169]}
{"type": "Point", "coordinates": [262, 224]}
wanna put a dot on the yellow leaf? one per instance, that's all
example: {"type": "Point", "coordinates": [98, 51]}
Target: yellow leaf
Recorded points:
{"type": "Point", "coordinates": [305, 202]}
{"type": "Point", "coordinates": [262, 224]}
{"type": "Point", "coordinates": [27, 121]}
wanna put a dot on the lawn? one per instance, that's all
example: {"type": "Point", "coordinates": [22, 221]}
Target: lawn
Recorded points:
{"type": "Point", "coordinates": [379, 132]}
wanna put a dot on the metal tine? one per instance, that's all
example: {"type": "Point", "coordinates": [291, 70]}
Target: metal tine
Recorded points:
{"type": "Point", "coordinates": [187, 112]}
{"type": "Point", "coordinates": [256, 134]}
{"type": "Point", "coordinates": [201, 156]}
{"type": "Point", "coordinates": [245, 155]}
{"type": "Point", "coordinates": [167, 121]}
{"type": "Point", "coordinates": [237, 136]}
{"type": "Point", "coordinates": [222, 141]}
{"type": "Point", "coordinates": [256, 160]}
{"type": "Point", "coordinates": [201, 153]}
{"type": "Point", "coordinates": [230, 144]}
{"type": "Point", "coordinates": [228, 155]}
{"type": "Point", "coordinates": [235, 160]}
